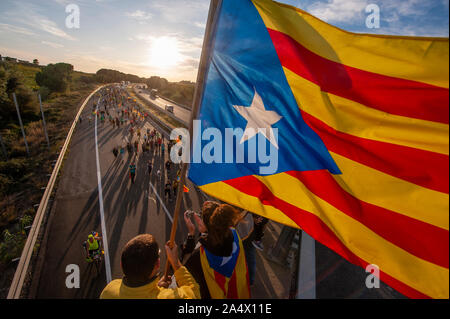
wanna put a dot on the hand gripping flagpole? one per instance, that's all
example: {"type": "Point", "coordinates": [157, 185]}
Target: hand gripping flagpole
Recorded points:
{"type": "Point", "coordinates": [214, 9]}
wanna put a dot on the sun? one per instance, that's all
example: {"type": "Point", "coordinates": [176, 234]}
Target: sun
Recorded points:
{"type": "Point", "coordinates": [164, 52]}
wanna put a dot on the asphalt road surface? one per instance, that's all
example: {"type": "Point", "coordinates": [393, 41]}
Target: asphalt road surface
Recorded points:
{"type": "Point", "coordinates": [129, 209]}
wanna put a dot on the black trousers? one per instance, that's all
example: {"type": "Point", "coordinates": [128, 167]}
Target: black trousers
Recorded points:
{"type": "Point", "coordinates": [258, 229]}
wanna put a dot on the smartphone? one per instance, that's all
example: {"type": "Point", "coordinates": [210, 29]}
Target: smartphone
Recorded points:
{"type": "Point", "coordinates": [191, 213]}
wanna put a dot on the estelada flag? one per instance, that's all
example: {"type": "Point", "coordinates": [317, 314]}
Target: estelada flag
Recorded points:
{"type": "Point", "coordinates": [226, 276]}
{"type": "Point", "coordinates": [362, 147]}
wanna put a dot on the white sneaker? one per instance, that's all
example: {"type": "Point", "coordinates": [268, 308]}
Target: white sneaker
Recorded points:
{"type": "Point", "coordinates": [258, 245]}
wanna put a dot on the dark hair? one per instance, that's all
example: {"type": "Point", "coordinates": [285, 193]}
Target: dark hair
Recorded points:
{"type": "Point", "coordinates": [207, 210]}
{"type": "Point", "coordinates": [139, 257]}
{"type": "Point", "coordinates": [223, 217]}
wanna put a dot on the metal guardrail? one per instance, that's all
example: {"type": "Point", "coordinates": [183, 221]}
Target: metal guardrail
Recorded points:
{"type": "Point", "coordinates": [22, 268]}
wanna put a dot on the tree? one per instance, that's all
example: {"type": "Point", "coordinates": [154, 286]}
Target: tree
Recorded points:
{"type": "Point", "coordinates": [13, 81]}
{"type": "Point", "coordinates": [56, 77]}
{"type": "Point", "coordinates": [36, 61]}
{"type": "Point", "coordinates": [113, 76]}
{"type": "Point", "coordinates": [156, 82]}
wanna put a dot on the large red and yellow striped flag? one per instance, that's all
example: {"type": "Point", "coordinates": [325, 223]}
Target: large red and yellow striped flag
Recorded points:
{"type": "Point", "coordinates": [363, 137]}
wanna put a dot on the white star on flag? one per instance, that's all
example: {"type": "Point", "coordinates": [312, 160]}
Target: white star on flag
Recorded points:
{"type": "Point", "coordinates": [258, 120]}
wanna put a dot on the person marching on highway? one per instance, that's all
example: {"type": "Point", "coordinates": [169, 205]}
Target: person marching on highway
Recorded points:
{"type": "Point", "coordinates": [168, 168]}
{"type": "Point", "coordinates": [92, 245]}
{"type": "Point", "coordinates": [167, 190]}
{"type": "Point", "coordinates": [159, 144]}
{"type": "Point", "coordinates": [158, 174]}
{"type": "Point", "coordinates": [151, 145]}
{"type": "Point", "coordinates": [132, 172]}
{"type": "Point", "coordinates": [175, 187]}
{"type": "Point", "coordinates": [121, 152]}
{"type": "Point", "coordinates": [150, 167]}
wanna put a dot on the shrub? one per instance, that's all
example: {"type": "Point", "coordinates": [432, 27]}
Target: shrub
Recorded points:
{"type": "Point", "coordinates": [25, 221]}
{"type": "Point", "coordinates": [44, 92]}
{"type": "Point", "coordinates": [56, 77]}
{"type": "Point", "coordinates": [14, 168]}
{"type": "Point", "coordinates": [12, 246]}
{"type": "Point", "coordinates": [7, 185]}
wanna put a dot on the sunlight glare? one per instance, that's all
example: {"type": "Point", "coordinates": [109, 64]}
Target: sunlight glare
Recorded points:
{"type": "Point", "coordinates": [164, 52]}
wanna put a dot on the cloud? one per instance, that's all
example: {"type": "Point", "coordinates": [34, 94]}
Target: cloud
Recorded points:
{"type": "Point", "coordinates": [192, 10]}
{"type": "Point", "coordinates": [406, 17]}
{"type": "Point", "coordinates": [338, 10]}
{"type": "Point", "coordinates": [63, 2]}
{"type": "Point", "coordinates": [200, 25]}
{"type": "Point", "coordinates": [52, 44]}
{"type": "Point", "coordinates": [28, 15]}
{"type": "Point", "coordinates": [49, 26]}
{"type": "Point", "coordinates": [411, 17]}
{"type": "Point", "coordinates": [139, 15]}
{"type": "Point", "coordinates": [12, 28]}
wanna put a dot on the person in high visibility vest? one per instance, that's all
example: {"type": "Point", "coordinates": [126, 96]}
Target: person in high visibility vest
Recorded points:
{"type": "Point", "coordinates": [92, 245]}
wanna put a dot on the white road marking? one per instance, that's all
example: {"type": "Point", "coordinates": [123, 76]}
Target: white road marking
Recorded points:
{"type": "Point", "coordinates": [307, 274]}
{"type": "Point", "coordinates": [162, 203]}
{"type": "Point", "coordinates": [102, 212]}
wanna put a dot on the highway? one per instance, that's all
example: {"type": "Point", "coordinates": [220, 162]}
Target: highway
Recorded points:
{"type": "Point", "coordinates": [132, 209]}
{"type": "Point", "coordinates": [129, 210]}
{"type": "Point", "coordinates": [179, 112]}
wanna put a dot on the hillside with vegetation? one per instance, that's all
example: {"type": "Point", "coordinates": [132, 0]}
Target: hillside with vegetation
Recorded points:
{"type": "Point", "coordinates": [23, 177]}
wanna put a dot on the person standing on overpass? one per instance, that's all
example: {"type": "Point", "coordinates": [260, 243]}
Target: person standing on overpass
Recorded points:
{"type": "Point", "coordinates": [140, 262]}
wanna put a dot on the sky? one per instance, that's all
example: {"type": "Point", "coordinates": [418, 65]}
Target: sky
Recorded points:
{"type": "Point", "coordinates": [164, 37]}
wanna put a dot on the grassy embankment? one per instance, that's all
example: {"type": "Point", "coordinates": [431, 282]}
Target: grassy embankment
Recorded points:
{"type": "Point", "coordinates": [23, 178]}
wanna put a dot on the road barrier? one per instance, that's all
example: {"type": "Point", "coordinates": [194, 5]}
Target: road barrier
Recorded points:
{"type": "Point", "coordinates": [22, 268]}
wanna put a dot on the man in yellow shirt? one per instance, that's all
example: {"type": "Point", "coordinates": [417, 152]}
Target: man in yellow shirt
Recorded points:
{"type": "Point", "coordinates": [140, 264]}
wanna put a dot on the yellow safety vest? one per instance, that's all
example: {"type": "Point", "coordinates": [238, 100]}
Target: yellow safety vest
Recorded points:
{"type": "Point", "coordinates": [93, 245]}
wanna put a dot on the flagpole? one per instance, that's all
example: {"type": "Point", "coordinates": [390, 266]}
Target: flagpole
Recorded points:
{"type": "Point", "coordinates": [204, 61]}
